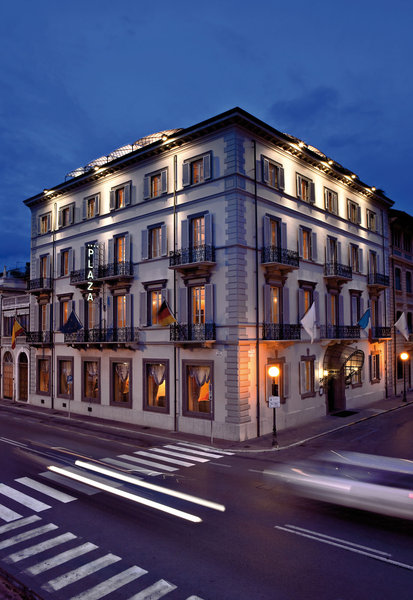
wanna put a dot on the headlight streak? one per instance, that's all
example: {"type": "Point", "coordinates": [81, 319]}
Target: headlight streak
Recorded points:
{"type": "Point", "coordinates": [151, 486]}
{"type": "Point", "coordinates": [107, 488]}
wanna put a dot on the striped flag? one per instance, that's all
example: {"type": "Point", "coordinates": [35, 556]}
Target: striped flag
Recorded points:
{"type": "Point", "coordinates": [165, 316]}
{"type": "Point", "coordinates": [17, 330]}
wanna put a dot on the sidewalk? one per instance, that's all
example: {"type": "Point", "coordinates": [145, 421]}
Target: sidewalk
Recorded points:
{"type": "Point", "coordinates": [286, 438]}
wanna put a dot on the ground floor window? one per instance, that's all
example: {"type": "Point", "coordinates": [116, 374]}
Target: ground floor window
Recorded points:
{"type": "Point", "coordinates": [65, 377]}
{"type": "Point", "coordinates": [307, 376]}
{"type": "Point", "coordinates": [156, 388]}
{"type": "Point", "coordinates": [374, 367]}
{"type": "Point", "coordinates": [121, 383]}
{"type": "Point", "coordinates": [43, 375]}
{"type": "Point", "coordinates": [198, 388]}
{"type": "Point", "coordinates": [91, 380]}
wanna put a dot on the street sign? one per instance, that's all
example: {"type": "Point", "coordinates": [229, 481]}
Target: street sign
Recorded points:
{"type": "Point", "coordinates": [274, 401]}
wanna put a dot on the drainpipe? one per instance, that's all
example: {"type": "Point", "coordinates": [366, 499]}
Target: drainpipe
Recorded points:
{"type": "Point", "coordinates": [386, 372]}
{"type": "Point", "coordinates": [394, 317]}
{"type": "Point", "coordinates": [257, 310]}
{"type": "Point", "coordinates": [52, 366]}
{"type": "Point", "coordinates": [175, 349]}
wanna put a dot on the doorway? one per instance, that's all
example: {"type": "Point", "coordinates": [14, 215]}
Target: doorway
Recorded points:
{"type": "Point", "coordinates": [8, 376]}
{"type": "Point", "coordinates": [23, 375]}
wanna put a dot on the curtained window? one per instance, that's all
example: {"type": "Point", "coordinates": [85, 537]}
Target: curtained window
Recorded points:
{"type": "Point", "coordinates": [199, 387]}
{"type": "Point", "coordinates": [91, 380]}
{"type": "Point", "coordinates": [121, 383]}
{"type": "Point", "coordinates": [43, 375]}
{"type": "Point", "coordinates": [65, 378]}
{"type": "Point", "coordinates": [156, 385]}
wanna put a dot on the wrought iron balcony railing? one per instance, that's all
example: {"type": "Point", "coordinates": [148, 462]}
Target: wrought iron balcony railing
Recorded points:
{"type": "Point", "coordinates": [380, 332]}
{"type": "Point", "coordinates": [378, 279]}
{"type": "Point", "coordinates": [39, 337]}
{"type": "Point", "coordinates": [192, 332]}
{"type": "Point", "coordinates": [103, 335]}
{"type": "Point", "coordinates": [276, 331]}
{"type": "Point", "coordinates": [115, 269]}
{"type": "Point", "coordinates": [334, 269]}
{"type": "Point", "coordinates": [195, 254]}
{"type": "Point", "coordinates": [282, 256]}
{"type": "Point", "coordinates": [80, 276]}
{"type": "Point", "coordinates": [341, 332]}
{"type": "Point", "coordinates": [39, 284]}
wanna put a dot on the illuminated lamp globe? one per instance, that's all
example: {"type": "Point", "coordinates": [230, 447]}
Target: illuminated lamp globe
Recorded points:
{"type": "Point", "coordinates": [404, 356]}
{"type": "Point", "coordinates": [273, 371]}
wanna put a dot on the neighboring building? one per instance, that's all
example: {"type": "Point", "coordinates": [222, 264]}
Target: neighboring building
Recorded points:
{"type": "Point", "coordinates": [241, 228]}
{"type": "Point", "coordinates": [14, 304]}
{"type": "Point", "coordinates": [401, 272]}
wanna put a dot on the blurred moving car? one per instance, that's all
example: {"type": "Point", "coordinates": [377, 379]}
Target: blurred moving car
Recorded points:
{"type": "Point", "coordinates": [375, 483]}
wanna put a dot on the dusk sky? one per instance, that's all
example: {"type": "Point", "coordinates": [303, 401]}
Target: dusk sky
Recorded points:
{"type": "Point", "coordinates": [79, 79]}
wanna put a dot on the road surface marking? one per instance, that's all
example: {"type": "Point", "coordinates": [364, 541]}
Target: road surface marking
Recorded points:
{"type": "Point", "coordinates": [61, 558]}
{"type": "Point", "coordinates": [13, 442]}
{"type": "Point", "coordinates": [17, 524]}
{"type": "Point", "coordinates": [22, 537]}
{"type": "Point", "coordinates": [81, 572]}
{"type": "Point", "coordinates": [198, 452]}
{"type": "Point", "coordinates": [39, 548]}
{"type": "Point", "coordinates": [148, 462]}
{"type": "Point", "coordinates": [344, 547]}
{"type": "Point", "coordinates": [112, 584]}
{"type": "Point", "coordinates": [28, 501]}
{"type": "Point", "coordinates": [174, 461]}
{"type": "Point", "coordinates": [45, 489]}
{"type": "Point", "coordinates": [155, 591]}
{"type": "Point", "coordinates": [74, 485]}
{"type": "Point", "coordinates": [8, 515]}
{"type": "Point", "coordinates": [124, 465]}
{"type": "Point", "coordinates": [177, 454]}
{"type": "Point", "coordinates": [201, 447]}
{"type": "Point", "coordinates": [194, 598]}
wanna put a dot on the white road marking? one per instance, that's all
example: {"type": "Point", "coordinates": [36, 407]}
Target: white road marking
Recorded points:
{"type": "Point", "coordinates": [8, 515]}
{"type": "Point", "coordinates": [81, 572]}
{"type": "Point", "coordinates": [349, 548]}
{"type": "Point", "coordinates": [174, 461]}
{"type": "Point", "coordinates": [39, 548]}
{"type": "Point", "coordinates": [61, 558]}
{"type": "Point", "coordinates": [13, 442]}
{"type": "Point", "coordinates": [194, 598]}
{"type": "Point", "coordinates": [28, 501]}
{"type": "Point", "coordinates": [17, 524]}
{"type": "Point", "coordinates": [198, 452]}
{"type": "Point", "coordinates": [45, 489]}
{"type": "Point", "coordinates": [74, 485]}
{"type": "Point", "coordinates": [112, 584]}
{"type": "Point", "coordinates": [22, 537]}
{"type": "Point", "coordinates": [178, 455]}
{"type": "Point", "coordinates": [201, 447]}
{"type": "Point", "coordinates": [155, 591]}
{"type": "Point", "coordinates": [124, 465]}
{"type": "Point", "coordinates": [148, 462]}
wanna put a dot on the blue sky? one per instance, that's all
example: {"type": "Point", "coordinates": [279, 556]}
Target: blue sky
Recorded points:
{"type": "Point", "coordinates": [81, 78]}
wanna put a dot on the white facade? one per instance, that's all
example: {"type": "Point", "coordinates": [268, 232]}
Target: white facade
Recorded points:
{"type": "Point", "coordinates": [204, 220]}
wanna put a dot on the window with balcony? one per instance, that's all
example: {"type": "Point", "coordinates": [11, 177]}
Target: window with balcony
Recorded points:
{"type": "Point", "coordinates": [120, 311]}
{"type": "Point", "coordinates": [155, 302]}
{"type": "Point", "coordinates": [91, 206]}
{"type": "Point", "coordinates": [197, 294]}
{"type": "Point", "coordinates": [121, 382]}
{"type": "Point", "coordinates": [196, 170]}
{"type": "Point", "coordinates": [156, 385]}
{"type": "Point", "coordinates": [198, 388]}
{"type": "Point", "coordinates": [305, 189]}
{"type": "Point", "coordinates": [331, 201]}
{"type": "Point", "coordinates": [371, 220]}
{"type": "Point", "coordinates": [66, 215]}
{"type": "Point", "coordinates": [155, 184]}
{"type": "Point", "coordinates": [272, 173]}
{"type": "Point", "coordinates": [91, 380]}
{"type": "Point", "coordinates": [195, 314]}
{"type": "Point", "coordinates": [353, 212]}
{"type": "Point", "coordinates": [355, 256]}
{"type": "Point", "coordinates": [355, 307]}
{"type": "Point", "coordinates": [120, 196]}
{"type": "Point", "coordinates": [44, 266]}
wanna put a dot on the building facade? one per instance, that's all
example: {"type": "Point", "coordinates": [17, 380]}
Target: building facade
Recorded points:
{"type": "Point", "coordinates": [241, 229]}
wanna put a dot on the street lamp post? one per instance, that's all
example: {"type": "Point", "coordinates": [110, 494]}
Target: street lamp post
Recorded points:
{"type": "Point", "coordinates": [405, 357]}
{"type": "Point", "coordinates": [274, 373]}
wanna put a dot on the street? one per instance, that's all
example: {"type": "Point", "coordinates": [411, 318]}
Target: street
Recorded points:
{"type": "Point", "coordinates": [71, 540]}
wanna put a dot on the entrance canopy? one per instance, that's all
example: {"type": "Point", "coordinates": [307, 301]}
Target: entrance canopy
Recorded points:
{"type": "Point", "coordinates": [341, 358]}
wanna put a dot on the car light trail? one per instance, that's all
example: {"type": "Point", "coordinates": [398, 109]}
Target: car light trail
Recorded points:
{"type": "Point", "coordinates": [151, 486]}
{"type": "Point", "coordinates": [127, 495]}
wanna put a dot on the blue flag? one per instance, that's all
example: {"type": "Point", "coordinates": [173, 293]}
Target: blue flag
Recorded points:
{"type": "Point", "coordinates": [364, 321]}
{"type": "Point", "coordinates": [72, 324]}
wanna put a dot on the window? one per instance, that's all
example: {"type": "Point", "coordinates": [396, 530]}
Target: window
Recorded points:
{"type": "Point", "coordinates": [120, 196]}
{"type": "Point", "coordinates": [397, 238]}
{"type": "Point", "coordinates": [91, 206]}
{"type": "Point", "coordinates": [155, 236]}
{"type": "Point", "coordinates": [408, 282]}
{"type": "Point", "coordinates": [398, 279]}
{"type": "Point", "coordinates": [354, 258]}
{"type": "Point", "coordinates": [274, 233]}
{"type": "Point", "coordinates": [44, 264]}
{"type": "Point", "coordinates": [154, 241]}
{"type": "Point", "coordinates": [120, 311]}
{"type": "Point", "coordinates": [43, 376]}
{"type": "Point", "coordinates": [355, 307]}
{"type": "Point", "coordinates": [306, 296]}
{"type": "Point", "coordinates": [155, 298]}
{"type": "Point", "coordinates": [120, 249]}
{"type": "Point", "coordinates": [371, 220]}
{"type": "Point", "coordinates": [198, 304]}
{"type": "Point", "coordinates": [372, 263]}
{"type": "Point", "coordinates": [155, 184]}
{"type": "Point", "coordinates": [156, 385]}
{"type": "Point", "coordinates": [65, 377]}
{"type": "Point", "coordinates": [307, 244]}
{"type": "Point", "coordinates": [307, 377]}
{"type": "Point", "coordinates": [332, 250]}
{"type": "Point", "coordinates": [331, 201]}
{"type": "Point", "coordinates": [196, 170]}
{"type": "Point", "coordinates": [198, 388]}
{"type": "Point", "coordinates": [272, 173]}
{"type": "Point", "coordinates": [92, 314]}
{"type": "Point", "coordinates": [91, 380]}
{"type": "Point", "coordinates": [305, 189]}
{"type": "Point", "coordinates": [64, 263]}
{"type": "Point", "coordinates": [407, 242]}
{"type": "Point", "coordinates": [8, 323]}
{"type": "Point", "coordinates": [197, 232]}
{"type": "Point", "coordinates": [43, 314]}
{"type": "Point", "coordinates": [274, 304]}
{"type": "Point", "coordinates": [66, 215]}
{"type": "Point", "coordinates": [332, 309]}
{"type": "Point", "coordinates": [353, 212]}
{"type": "Point", "coordinates": [374, 367]}
{"type": "Point", "coordinates": [45, 223]}
{"type": "Point", "coordinates": [121, 374]}
{"type": "Point", "coordinates": [64, 312]}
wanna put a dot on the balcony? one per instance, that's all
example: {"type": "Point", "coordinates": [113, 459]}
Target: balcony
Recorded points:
{"type": "Point", "coordinates": [340, 332]}
{"type": "Point", "coordinates": [197, 259]}
{"type": "Point", "coordinates": [79, 278]}
{"type": "Point", "coordinates": [378, 333]}
{"type": "Point", "coordinates": [40, 286]}
{"type": "Point", "coordinates": [378, 281]}
{"type": "Point", "coordinates": [340, 273]}
{"type": "Point", "coordinates": [115, 271]}
{"type": "Point", "coordinates": [284, 332]}
{"type": "Point", "coordinates": [109, 335]}
{"type": "Point", "coordinates": [39, 338]}
{"type": "Point", "coordinates": [192, 332]}
{"type": "Point", "coordinates": [279, 260]}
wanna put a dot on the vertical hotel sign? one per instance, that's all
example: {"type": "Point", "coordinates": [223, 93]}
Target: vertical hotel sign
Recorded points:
{"type": "Point", "coordinates": [90, 263]}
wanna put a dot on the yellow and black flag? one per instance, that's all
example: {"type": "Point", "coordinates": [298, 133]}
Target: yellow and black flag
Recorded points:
{"type": "Point", "coordinates": [165, 316]}
{"type": "Point", "coordinates": [17, 330]}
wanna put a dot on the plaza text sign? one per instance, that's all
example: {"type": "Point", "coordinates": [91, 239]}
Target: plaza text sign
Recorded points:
{"type": "Point", "coordinates": [90, 262]}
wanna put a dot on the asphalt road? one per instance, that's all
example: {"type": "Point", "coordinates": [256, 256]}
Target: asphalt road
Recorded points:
{"type": "Point", "coordinates": [267, 545]}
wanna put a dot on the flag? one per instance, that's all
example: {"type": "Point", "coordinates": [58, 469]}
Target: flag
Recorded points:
{"type": "Point", "coordinates": [165, 316]}
{"type": "Point", "coordinates": [401, 325]}
{"type": "Point", "coordinates": [309, 322]}
{"type": "Point", "coordinates": [17, 330]}
{"type": "Point", "coordinates": [365, 319]}
{"type": "Point", "coordinates": [72, 324]}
